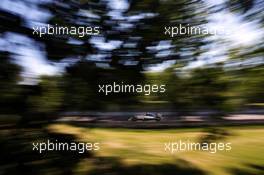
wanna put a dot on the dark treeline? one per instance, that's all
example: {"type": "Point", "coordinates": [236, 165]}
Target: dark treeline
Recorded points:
{"type": "Point", "coordinates": [139, 30]}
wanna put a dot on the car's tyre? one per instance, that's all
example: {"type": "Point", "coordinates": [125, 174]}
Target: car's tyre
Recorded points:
{"type": "Point", "coordinates": [133, 119]}
{"type": "Point", "coordinates": [158, 119]}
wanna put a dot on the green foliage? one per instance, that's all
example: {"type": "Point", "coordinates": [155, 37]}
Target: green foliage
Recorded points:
{"type": "Point", "coordinates": [211, 88]}
{"type": "Point", "coordinates": [49, 98]}
{"type": "Point", "coordinates": [9, 90]}
{"type": "Point", "coordinates": [201, 89]}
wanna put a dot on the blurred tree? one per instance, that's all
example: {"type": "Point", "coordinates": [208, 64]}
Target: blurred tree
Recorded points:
{"type": "Point", "coordinates": [207, 88]}
{"type": "Point", "coordinates": [82, 91]}
{"type": "Point", "coordinates": [246, 86]}
{"type": "Point", "coordinates": [137, 39]}
{"type": "Point", "coordinates": [48, 98]}
{"type": "Point", "coordinates": [201, 89]}
{"type": "Point", "coordinates": [9, 90]}
{"type": "Point", "coordinates": [240, 5]}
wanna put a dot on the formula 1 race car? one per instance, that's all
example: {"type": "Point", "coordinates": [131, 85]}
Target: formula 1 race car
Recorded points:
{"type": "Point", "coordinates": [146, 117]}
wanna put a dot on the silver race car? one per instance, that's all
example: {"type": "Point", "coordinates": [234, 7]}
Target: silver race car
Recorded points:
{"type": "Point", "coordinates": [146, 117]}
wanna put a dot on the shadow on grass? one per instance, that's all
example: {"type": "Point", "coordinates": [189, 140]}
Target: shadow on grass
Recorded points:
{"type": "Point", "coordinates": [17, 155]}
{"type": "Point", "coordinates": [252, 170]}
{"type": "Point", "coordinates": [18, 158]}
{"type": "Point", "coordinates": [113, 166]}
{"type": "Point", "coordinates": [214, 135]}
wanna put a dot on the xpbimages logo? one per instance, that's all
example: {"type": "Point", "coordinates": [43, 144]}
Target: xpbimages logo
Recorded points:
{"type": "Point", "coordinates": [80, 31]}
{"type": "Point", "coordinates": [79, 147]}
{"type": "Point", "coordinates": [214, 147]}
{"type": "Point", "coordinates": [147, 89]}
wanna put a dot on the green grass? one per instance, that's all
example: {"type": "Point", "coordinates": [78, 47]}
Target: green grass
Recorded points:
{"type": "Point", "coordinates": [137, 147]}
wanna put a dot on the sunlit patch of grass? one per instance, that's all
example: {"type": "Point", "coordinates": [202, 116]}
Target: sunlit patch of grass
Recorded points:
{"type": "Point", "coordinates": [147, 146]}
